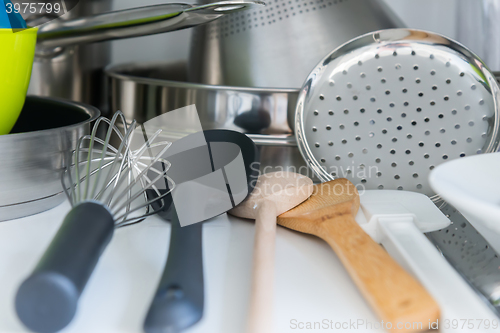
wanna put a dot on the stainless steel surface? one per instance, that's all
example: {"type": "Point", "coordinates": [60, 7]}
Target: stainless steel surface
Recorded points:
{"type": "Point", "coordinates": [142, 92]}
{"type": "Point", "coordinates": [76, 72]}
{"type": "Point", "coordinates": [33, 154]}
{"type": "Point", "coordinates": [386, 108]}
{"type": "Point", "coordinates": [134, 22]}
{"type": "Point", "coordinates": [470, 254]}
{"type": "Point", "coordinates": [277, 46]}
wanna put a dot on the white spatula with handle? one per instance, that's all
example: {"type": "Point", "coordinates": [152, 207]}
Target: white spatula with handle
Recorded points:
{"type": "Point", "coordinates": [397, 220]}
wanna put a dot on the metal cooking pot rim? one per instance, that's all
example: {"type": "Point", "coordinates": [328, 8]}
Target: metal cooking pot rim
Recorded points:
{"type": "Point", "coordinates": [116, 69]}
{"type": "Point", "coordinates": [90, 110]}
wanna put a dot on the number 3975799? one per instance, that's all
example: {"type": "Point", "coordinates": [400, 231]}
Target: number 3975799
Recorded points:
{"type": "Point", "coordinates": [33, 8]}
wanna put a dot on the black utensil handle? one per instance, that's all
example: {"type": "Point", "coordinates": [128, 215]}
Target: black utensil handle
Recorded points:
{"type": "Point", "coordinates": [178, 301]}
{"type": "Point", "coordinates": [46, 301]}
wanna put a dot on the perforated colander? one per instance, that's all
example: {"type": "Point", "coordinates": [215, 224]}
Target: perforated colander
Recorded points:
{"type": "Point", "coordinates": [384, 109]}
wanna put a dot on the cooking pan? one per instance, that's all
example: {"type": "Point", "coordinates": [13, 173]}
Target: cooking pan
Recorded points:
{"type": "Point", "coordinates": [33, 154]}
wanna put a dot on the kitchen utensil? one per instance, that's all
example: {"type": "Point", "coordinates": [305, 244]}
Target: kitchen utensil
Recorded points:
{"type": "Point", "coordinates": [33, 154]}
{"type": "Point", "coordinates": [387, 107]}
{"type": "Point", "coordinates": [471, 184]}
{"type": "Point", "coordinates": [395, 296]}
{"type": "Point", "coordinates": [248, 49]}
{"type": "Point", "coordinates": [75, 72]}
{"type": "Point", "coordinates": [105, 185]}
{"type": "Point", "coordinates": [17, 49]}
{"type": "Point", "coordinates": [178, 301]}
{"type": "Point", "coordinates": [397, 220]}
{"type": "Point", "coordinates": [135, 22]}
{"type": "Point", "coordinates": [248, 110]}
{"type": "Point", "coordinates": [274, 194]}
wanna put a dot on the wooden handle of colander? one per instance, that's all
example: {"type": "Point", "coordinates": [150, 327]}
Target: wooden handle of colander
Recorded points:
{"type": "Point", "coordinates": [394, 294]}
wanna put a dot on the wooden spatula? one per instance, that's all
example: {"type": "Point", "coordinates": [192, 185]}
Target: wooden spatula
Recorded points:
{"type": "Point", "coordinates": [395, 296]}
{"type": "Point", "coordinates": [274, 194]}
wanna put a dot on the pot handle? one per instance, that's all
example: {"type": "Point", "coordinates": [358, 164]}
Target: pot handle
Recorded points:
{"type": "Point", "coordinates": [135, 22]}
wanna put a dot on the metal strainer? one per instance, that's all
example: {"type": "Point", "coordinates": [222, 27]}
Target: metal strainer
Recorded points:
{"type": "Point", "coordinates": [384, 109]}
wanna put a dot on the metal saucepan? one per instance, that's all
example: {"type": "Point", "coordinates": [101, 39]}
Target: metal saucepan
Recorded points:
{"type": "Point", "coordinates": [142, 92]}
{"type": "Point", "coordinates": [278, 45]}
{"type": "Point", "coordinates": [33, 155]}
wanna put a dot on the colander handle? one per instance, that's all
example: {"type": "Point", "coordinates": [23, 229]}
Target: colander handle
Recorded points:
{"type": "Point", "coordinates": [178, 300]}
{"type": "Point", "coordinates": [47, 300]}
{"type": "Point", "coordinates": [408, 245]}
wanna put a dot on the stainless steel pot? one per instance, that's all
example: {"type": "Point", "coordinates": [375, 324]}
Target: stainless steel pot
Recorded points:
{"type": "Point", "coordinates": [145, 91]}
{"type": "Point", "coordinates": [278, 46]}
{"type": "Point", "coordinates": [33, 155]}
{"type": "Point", "coordinates": [142, 92]}
{"type": "Point", "coordinates": [74, 72]}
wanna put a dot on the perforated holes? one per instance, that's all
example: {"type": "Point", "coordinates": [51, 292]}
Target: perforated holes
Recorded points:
{"type": "Point", "coordinates": [453, 112]}
{"type": "Point", "coordinates": [394, 164]}
{"type": "Point", "coordinates": [415, 175]}
{"type": "Point", "coordinates": [316, 144]}
{"type": "Point", "coordinates": [383, 81]}
{"type": "Point", "coordinates": [433, 103]}
{"type": "Point", "coordinates": [442, 130]}
{"type": "Point", "coordinates": [431, 167]}
{"type": "Point", "coordinates": [372, 122]}
{"type": "Point", "coordinates": [337, 158]}
{"type": "Point", "coordinates": [379, 69]}
{"type": "Point", "coordinates": [394, 53]}
{"type": "Point", "coordinates": [365, 150]}
{"type": "Point", "coordinates": [344, 72]}
{"type": "Point", "coordinates": [473, 87]}
{"type": "Point", "coordinates": [391, 105]}
{"type": "Point", "coordinates": [417, 81]}
{"type": "Point", "coordinates": [469, 140]}
{"type": "Point", "coordinates": [377, 160]}
{"type": "Point", "coordinates": [362, 75]}
{"type": "Point", "coordinates": [368, 87]}
{"type": "Point", "coordinates": [426, 120]}
{"type": "Point", "coordinates": [350, 155]}
{"type": "Point", "coordinates": [437, 145]}
{"type": "Point", "coordinates": [406, 103]}
{"type": "Point", "coordinates": [481, 102]}
{"type": "Point", "coordinates": [321, 97]}
{"type": "Point", "coordinates": [411, 163]}
{"type": "Point", "coordinates": [405, 90]}
{"type": "Point", "coordinates": [330, 113]}
{"type": "Point", "coordinates": [399, 128]}
{"type": "Point", "coordinates": [355, 97]}
{"type": "Point", "coordinates": [462, 155]}
{"type": "Point", "coordinates": [362, 110]}
{"type": "Point", "coordinates": [330, 143]}
{"type": "Point", "coordinates": [448, 81]}
{"type": "Point", "coordinates": [380, 187]}
{"type": "Point", "coordinates": [396, 177]}
{"type": "Point", "coordinates": [338, 98]}
{"type": "Point", "coordinates": [419, 186]}
{"type": "Point", "coordinates": [400, 188]}
{"type": "Point", "coordinates": [387, 92]}
{"type": "Point", "coordinates": [471, 123]}
{"type": "Point", "coordinates": [323, 160]}
{"type": "Point", "coordinates": [457, 126]}
{"type": "Point", "coordinates": [409, 136]}
{"type": "Point", "coordinates": [349, 85]}
{"type": "Point", "coordinates": [420, 94]}
{"type": "Point", "coordinates": [421, 144]}
{"type": "Point", "coordinates": [433, 72]}
{"type": "Point", "coordinates": [379, 174]}
{"type": "Point", "coordinates": [401, 78]}
{"type": "Point", "coordinates": [379, 111]}
{"type": "Point", "coordinates": [446, 98]}
{"type": "Point", "coordinates": [392, 151]}
{"type": "Point", "coordinates": [445, 157]}
{"type": "Point", "coordinates": [453, 142]}
{"type": "Point", "coordinates": [360, 63]}
{"type": "Point", "coordinates": [426, 156]}
{"type": "Point", "coordinates": [384, 131]}
{"type": "Point", "coordinates": [419, 109]}
{"type": "Point", "coordinates": [389, 119]}
{"type": "Point", "coordinates": [379, 146]}
{"type": "Point", "coordinates": [314, 129]}
{"type": "Point", "coordinates": [434, 87]}
{"type": "Point", "coordinates": [459, 93]}
{"type": "Point", "coordinates": [372, 99]}
{"type": "Point", "coordinates": [328, 127]}
{"type": "Point", "coordinates": [462, 74]}
{"type": "Point", "coordinates": [371, 134]}
{"type": "Point", "coordinates": [331, 83]}
{"type": "Point", "coordinates": [394, 139]}
{"type": "Point", "coordinates": [358, 138]}
{"type": "Point", "coordinates": [403, 115]}
{"type": "Point", "coordinates": [344, 141]}
{"type": "Point", "coordinates": [415, 67]}
{"type": "Point", "coordinates": [407, 152]}
{"type": "Point", "coordinates": [377, 56]}
{"type": "Point", "coordinates": [356, 123]}
{"type": "Point", "coordinates": [427, 132]}
{"type": "Point", "coordinates": [414, 123]}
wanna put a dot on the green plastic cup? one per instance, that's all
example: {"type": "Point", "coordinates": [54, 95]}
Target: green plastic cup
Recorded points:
{"type": "Point", "coordinates": [17, 50]}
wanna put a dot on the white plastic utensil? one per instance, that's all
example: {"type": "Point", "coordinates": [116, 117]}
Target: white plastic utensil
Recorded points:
{"type": "Point", "coordinates": [472, 184]}
{"type": "Point", "coordinates": [397, 220]}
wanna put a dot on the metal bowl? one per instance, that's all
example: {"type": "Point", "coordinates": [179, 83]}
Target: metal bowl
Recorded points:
{"type": "Point", "coordinates": [34, 153]}
{"type": "Point", "coordinates": [143, 91]}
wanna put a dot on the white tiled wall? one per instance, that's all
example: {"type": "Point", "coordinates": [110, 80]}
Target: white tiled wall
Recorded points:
{"type": "Point", "coordinates": [433, 15]}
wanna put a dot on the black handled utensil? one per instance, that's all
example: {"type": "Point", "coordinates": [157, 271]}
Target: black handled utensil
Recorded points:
{"type": "Point", "coordinates": [179, 299]}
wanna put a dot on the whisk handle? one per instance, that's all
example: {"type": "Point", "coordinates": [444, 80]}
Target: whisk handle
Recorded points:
{"type": "Point", "coordinates": [178, 301]}
{"type": "Point", "coordinates": [47, 300]}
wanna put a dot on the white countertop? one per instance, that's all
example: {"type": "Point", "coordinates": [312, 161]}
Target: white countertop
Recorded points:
{"type": "Point", "coordinates": [311, 285]}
